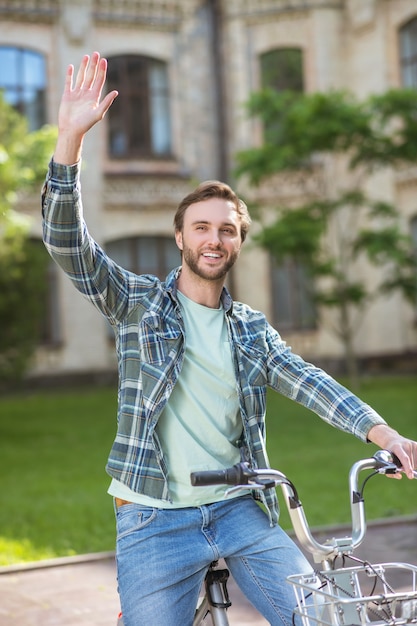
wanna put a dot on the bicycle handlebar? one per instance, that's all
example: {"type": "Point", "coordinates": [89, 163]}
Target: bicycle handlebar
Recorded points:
{"type": "Point", "coordinates": [241, 476]}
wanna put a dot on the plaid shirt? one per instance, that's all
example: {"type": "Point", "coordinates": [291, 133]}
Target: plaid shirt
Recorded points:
{"type": "Point", "coordinates": [149, 331]}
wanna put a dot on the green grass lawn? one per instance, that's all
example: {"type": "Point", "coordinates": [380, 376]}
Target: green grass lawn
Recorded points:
{"type": "Point", "coordinates": [54, 446]}
{"type": "Point", "coordinates": [53, 449]}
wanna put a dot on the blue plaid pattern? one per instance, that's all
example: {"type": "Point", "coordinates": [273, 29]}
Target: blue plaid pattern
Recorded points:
{"type": "Point", "coordinates": [149, 333]}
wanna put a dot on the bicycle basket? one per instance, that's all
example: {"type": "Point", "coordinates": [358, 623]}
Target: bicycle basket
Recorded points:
{"type": "Point", "coordinates": [358, 596]}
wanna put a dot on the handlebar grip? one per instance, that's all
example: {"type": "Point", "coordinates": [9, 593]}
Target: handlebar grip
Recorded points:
{"type": "Point", "coordinates": [396, 460]}
{"type": "Point", "coordinates": [236, 475]}
{"type": "Point", "coordinates": [398, 463]}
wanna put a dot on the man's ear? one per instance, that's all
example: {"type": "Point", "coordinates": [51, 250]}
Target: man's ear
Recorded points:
{"type": "Point", "coordinates": [178, 239]}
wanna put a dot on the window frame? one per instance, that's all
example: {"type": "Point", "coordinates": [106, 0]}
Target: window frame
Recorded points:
{"type": "Point", "coordinates": [133, 244]}
{"type": "Point", "coordinates": [35, 109]}
{"type": "Point", "coordinates": [408, 58]}
{"type": "Point", "coordinates": [150, 136]}
{"type": "Point", "coordinates": [302, 312]}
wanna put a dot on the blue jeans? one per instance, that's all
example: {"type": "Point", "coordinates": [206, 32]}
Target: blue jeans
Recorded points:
{"type": "Point", "coordinates": [163, 555]}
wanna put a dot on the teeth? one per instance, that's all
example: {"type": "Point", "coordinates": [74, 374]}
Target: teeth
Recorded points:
{"type": "Point", "coordinates": [212, 255]}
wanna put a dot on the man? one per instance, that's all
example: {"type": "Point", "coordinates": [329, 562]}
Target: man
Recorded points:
{"type": "Point", "coordinates": [194, 367]}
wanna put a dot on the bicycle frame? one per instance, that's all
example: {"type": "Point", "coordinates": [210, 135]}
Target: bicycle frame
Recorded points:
{"type": "Point", "coordinates": [216, 598]}
{"type": "Point", "coordinates": [324, 553]}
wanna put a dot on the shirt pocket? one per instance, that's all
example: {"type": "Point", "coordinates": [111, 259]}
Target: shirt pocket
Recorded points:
{"type": "Point", "coordinates": [252, 364]}
{"type": "Point", "coordinates": [158, 340]}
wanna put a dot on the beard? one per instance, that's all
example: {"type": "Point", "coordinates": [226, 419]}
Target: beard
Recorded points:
{"type": "Point", "coordinates": [191, 258]}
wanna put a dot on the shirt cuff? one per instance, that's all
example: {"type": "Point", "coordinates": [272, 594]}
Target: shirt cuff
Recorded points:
{"type": "Point", "coordinates": [64, 174]}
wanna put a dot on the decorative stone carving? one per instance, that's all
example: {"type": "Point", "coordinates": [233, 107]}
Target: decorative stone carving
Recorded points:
{"type": "Point", "coordinates": [29, 10]}
{"type": "Point", "coordinates": [259, 8]}
{"type": "Point", "coordinates": [76, 19]}
{"type": "Point", "coordinates": [154, 13]}
{"type": "Point", "coordinates": [144, 193]}
{"type": "Point", "coordinates": [287, 186]}
{"type": "Point", "coordinates": [361, 12]}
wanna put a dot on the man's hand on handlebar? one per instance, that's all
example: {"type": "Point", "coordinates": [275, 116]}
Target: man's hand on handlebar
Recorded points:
{"type": "Point", "coordinates": [404, 449]}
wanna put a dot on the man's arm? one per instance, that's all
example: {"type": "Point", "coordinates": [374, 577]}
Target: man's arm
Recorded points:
{"type": "Point", "coordinates": [312, 387]}
{"type": "Point", "coordinates": [65, 232]}
{"type": "Point", "coordinates": [80, 107]}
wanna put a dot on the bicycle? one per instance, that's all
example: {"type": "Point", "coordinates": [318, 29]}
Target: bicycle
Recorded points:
{"type": "Point", "coordinates": [344, 596]}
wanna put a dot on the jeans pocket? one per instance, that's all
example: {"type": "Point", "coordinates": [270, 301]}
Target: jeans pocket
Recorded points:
{"type": "Point", "coordinates": [133, 517]}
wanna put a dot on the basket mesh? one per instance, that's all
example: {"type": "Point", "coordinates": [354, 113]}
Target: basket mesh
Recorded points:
{"type": "Point", "coordinates": [357, 596]}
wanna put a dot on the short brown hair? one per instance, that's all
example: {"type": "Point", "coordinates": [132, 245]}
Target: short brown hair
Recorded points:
{"type": "Point", "coordinates": [214, 189]}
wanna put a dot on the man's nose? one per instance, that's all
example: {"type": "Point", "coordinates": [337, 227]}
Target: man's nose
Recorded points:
{"type": "Point", "coordinates": [215, 238]}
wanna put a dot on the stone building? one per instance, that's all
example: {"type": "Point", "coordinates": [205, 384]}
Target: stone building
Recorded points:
{"type": "Point", "coordinates": [184, 69]}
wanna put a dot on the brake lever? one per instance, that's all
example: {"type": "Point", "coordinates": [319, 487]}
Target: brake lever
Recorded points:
{"type": "Point", "coordinates": [389, 463]}
{"type": "Point", "coordinates": [249, 487]}
{"type": "Point", "coordinates": [236, 488]}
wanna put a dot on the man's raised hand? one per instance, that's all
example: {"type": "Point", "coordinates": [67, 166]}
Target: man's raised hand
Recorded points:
{"type": "Point", "coordinates": [81, 106]}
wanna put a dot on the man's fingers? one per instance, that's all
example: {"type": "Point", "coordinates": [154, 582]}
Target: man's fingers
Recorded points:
{"type": "Point", "coordinates": [100, 77]}
{"type": "Point", "coordinates": [79, 82]}
{"type": "Point", "coordinates": [406, 453]}
{"type": "Point", "coordinates": [107, 102]}
{"type": "Point", "coordinates": [91, 71]}
{"type": "Point", "coordinates": [91, 75]}
{"type": "Point", "coordinates": [68, 78]}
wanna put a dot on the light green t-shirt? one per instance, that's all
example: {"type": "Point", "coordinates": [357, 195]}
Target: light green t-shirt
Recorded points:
{"type": "Point", "coordinates": [201, 424]}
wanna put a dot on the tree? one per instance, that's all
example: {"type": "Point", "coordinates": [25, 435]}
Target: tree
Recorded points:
{"type": "Point", "coordinates": [23, 161]}
{"type": "Point", "coordinates": [333, 232]}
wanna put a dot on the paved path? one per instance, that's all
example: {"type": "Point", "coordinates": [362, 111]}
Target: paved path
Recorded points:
{"type": "Point", "coordinates": [82, 591]}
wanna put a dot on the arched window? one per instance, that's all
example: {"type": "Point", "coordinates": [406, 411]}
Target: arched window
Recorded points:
{"type": "Point", "coordinates": [139, 119]}
{"type": "Point", "coordinates": [408, 53]}
{"type": "Point", "coordinates": [23, 83]}
{"type": "Point", "coordinates": [282, 69]}
{"type": "Point", "coordinates": [145, 255]}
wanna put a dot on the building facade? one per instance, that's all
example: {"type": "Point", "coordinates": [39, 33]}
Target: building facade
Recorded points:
{"type": "Point", "coordinates": [184, 71]}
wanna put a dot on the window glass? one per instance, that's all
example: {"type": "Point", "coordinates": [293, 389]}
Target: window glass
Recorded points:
{"type": "Point", "coordinates": [159, 107]}
{"type": "Point", "coordinates": [292, 297]}
{"type": "Point", "coordinates": [282, 69]}
{"type": "Point", "coordinates": [293, 304]}
{"type": "Point", "coordinates": [23, 82]}
{"type": "Point", "coordinates": [50, 332]}
{"type": "Point", "coordinates": [414, 238]}
{"type": "Point", "coordinates": [139, 119]}
{"type": "Point", "coordinates": [408, 53]}
{"type": "Point", "coordinates": [145, 255]}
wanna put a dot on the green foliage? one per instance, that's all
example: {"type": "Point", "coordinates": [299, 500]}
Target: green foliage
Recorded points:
{"type": "Point", "coordinates": [332, 235]}
{"type": "Point", "coordinates": [23, 161]}
{"type": "Point", "coordinates": [22, 289]}
{"type": "Point", "coordinates": [379, 131]}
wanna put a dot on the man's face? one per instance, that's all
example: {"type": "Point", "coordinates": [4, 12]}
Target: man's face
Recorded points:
{"type": "Point", "coordinates": [210, 240]}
